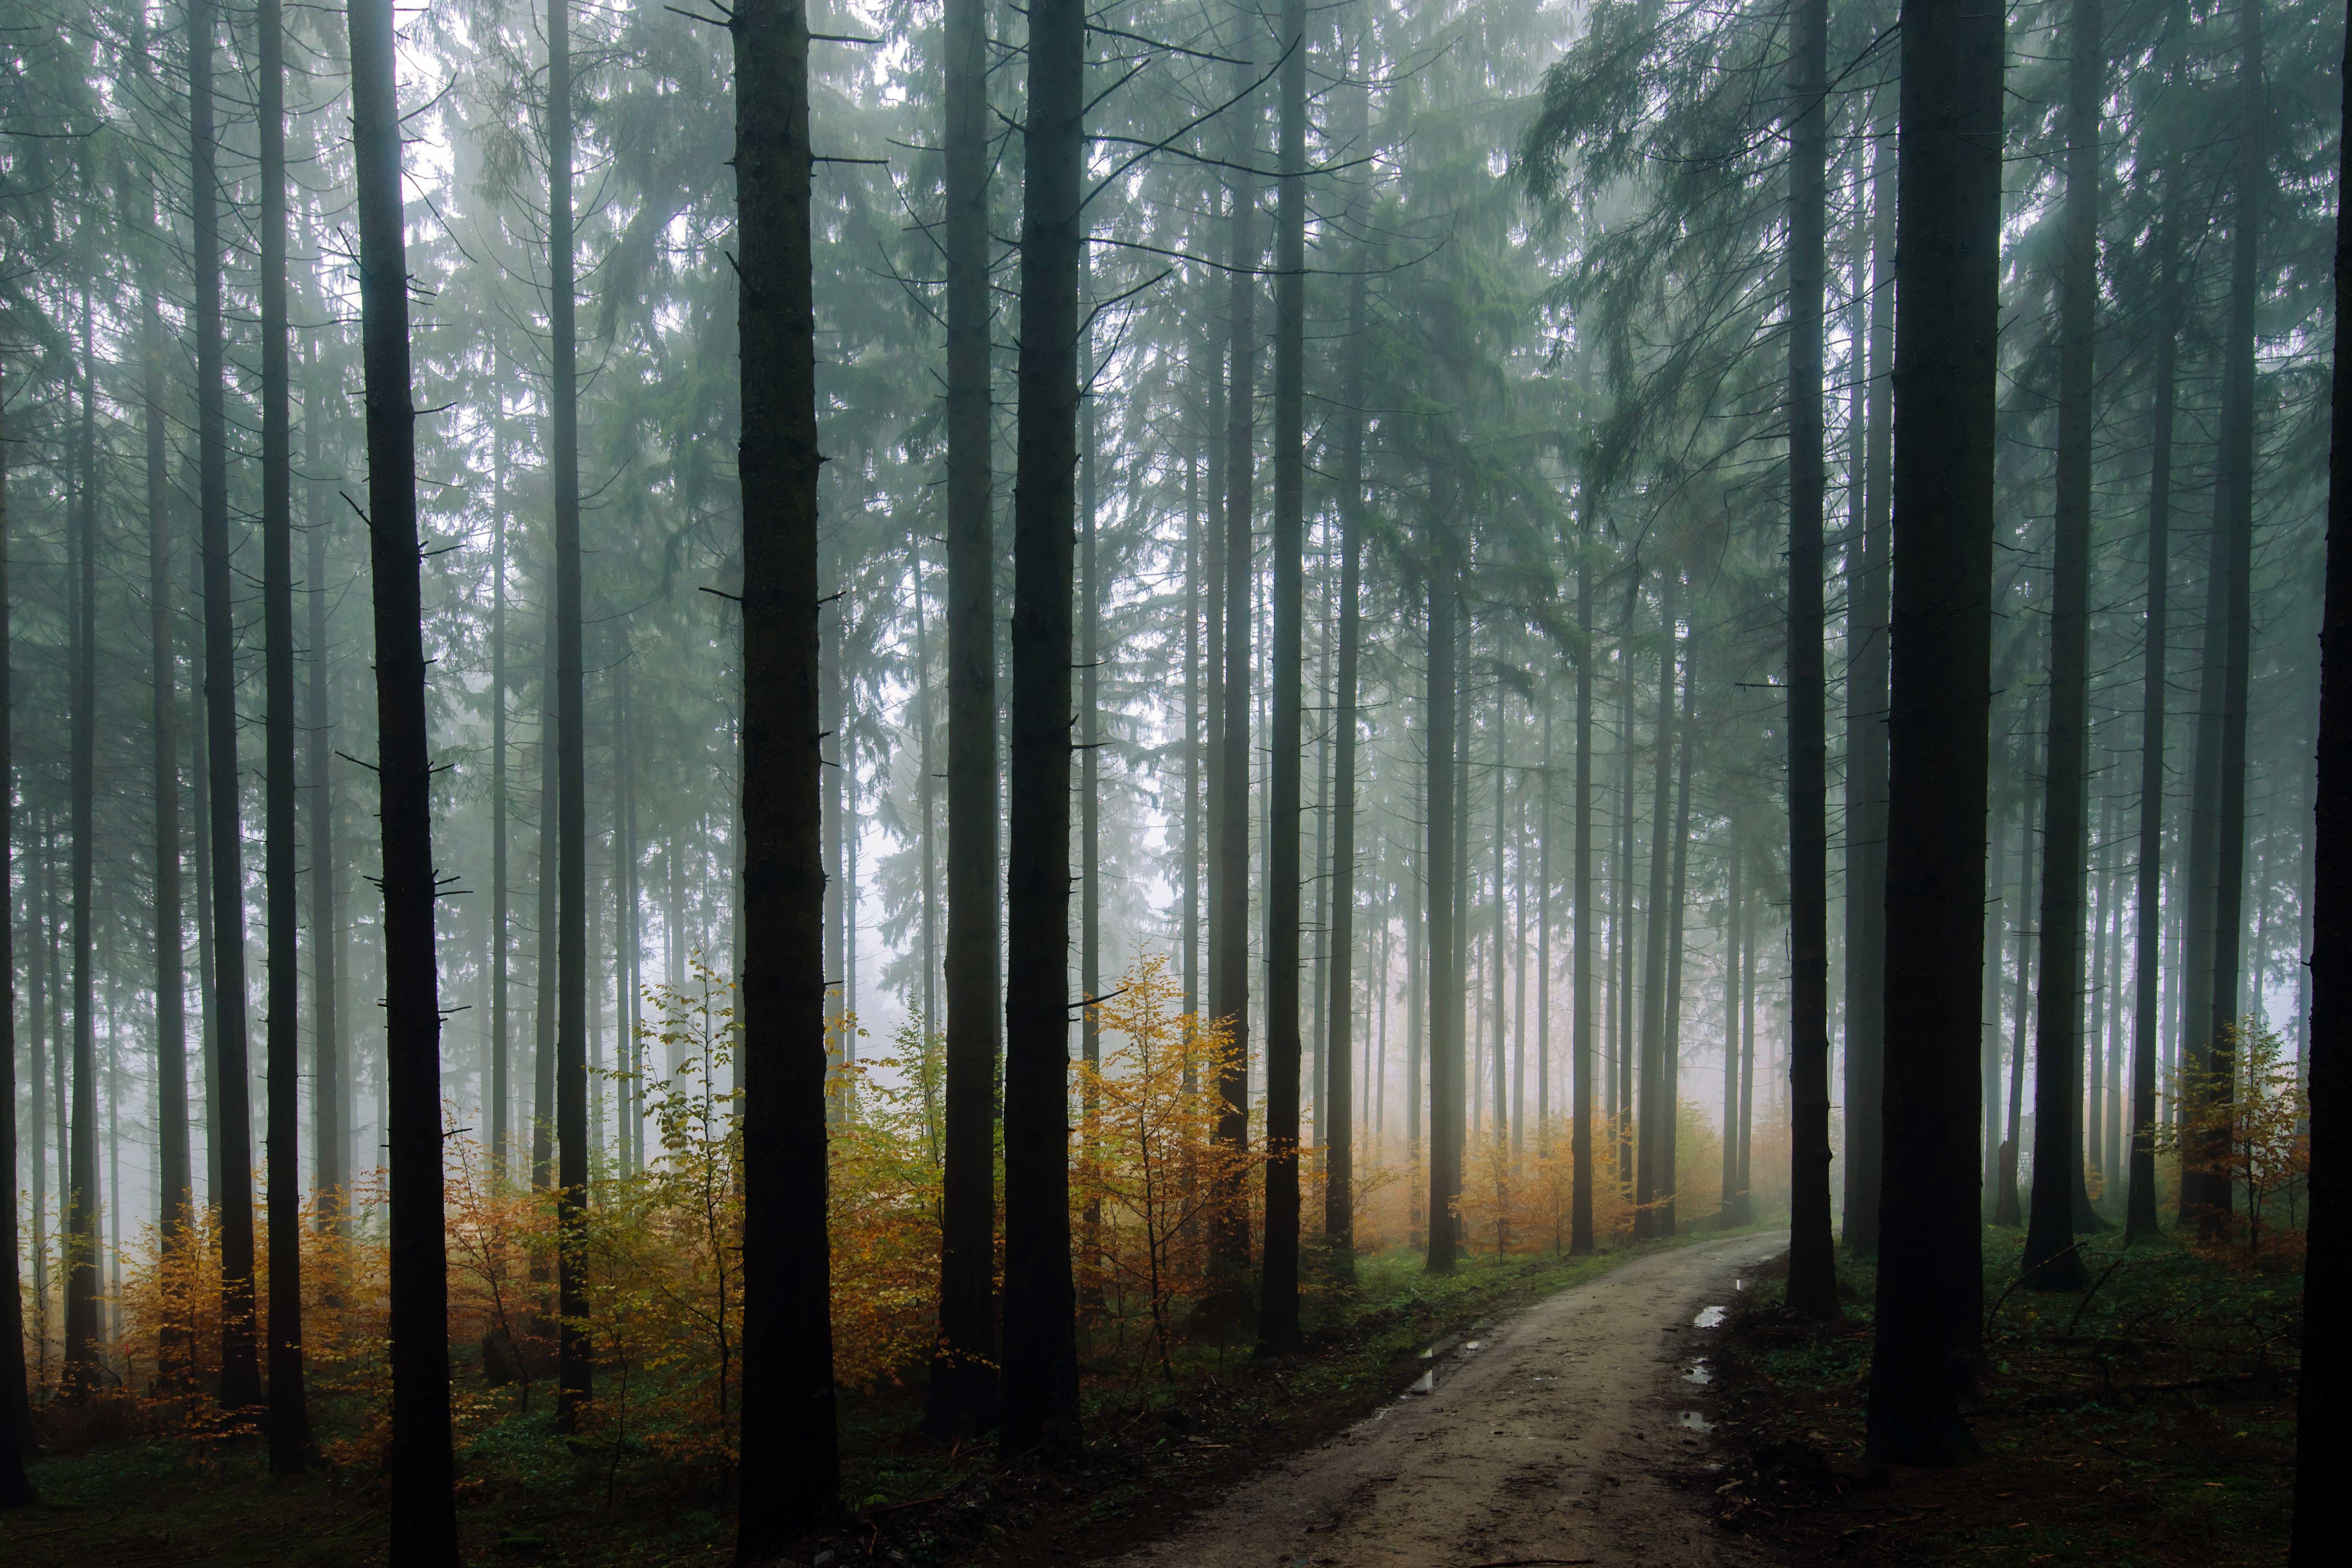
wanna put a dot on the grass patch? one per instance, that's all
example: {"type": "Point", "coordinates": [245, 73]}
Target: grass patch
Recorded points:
{"type": "Point", "coordinates": [2148, 1420]}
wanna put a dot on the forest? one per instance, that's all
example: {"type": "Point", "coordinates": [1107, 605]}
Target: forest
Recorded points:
{"type": "Point", "coordinates": [955, 782]}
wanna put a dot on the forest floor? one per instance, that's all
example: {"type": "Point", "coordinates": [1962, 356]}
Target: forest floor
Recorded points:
{"type": "Point", "coordinates": [1156, 1455]}
{"type": "Point", "coordinates": [2150, 1422]}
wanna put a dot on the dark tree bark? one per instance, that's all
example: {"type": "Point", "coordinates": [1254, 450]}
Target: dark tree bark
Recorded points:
{"type": "Point", "coordinates": [2233, 516]}
{"type": "Point", "coordinates": [231, 1106]}
{"type": "Point", "coordinates": [1728, 1208]}
{"type": "Point", "coordinates": [964, 1369]}
{"type": "Point", "coordinates": [575, 1373]}
{"type": "Point", "coordinates": [790, 1458]}
{"type": "Point", "coordinates": [501, 944]}
{"type": "Point", "coordinates": [289, 1420]}
{"type": "Point", "coordinates": [422, 1514]}
{"type": "Point", "coordinates": [1041, 1366]}
{"type": "Point", "coordinates": [1812, 1263]}
{"type": "Point", "coordinates": [1650, 1180]}
{"type": "Point", "coordinates": [1676, 903]}
{"type": "Point", "coordinates": [544, 1020]}
{"type": "Point", "coordinates": [1445, 1043]}
{"type": "Point", "coordinates": [2052, 1262]}
{"type": "Point", "coordinates": [2148, 935]}
{"type": "Point", "coordinates": [1580, 1134]}
{"type": "Point", "coordinates": [15, 1407]}
{"type": "Point", "coordinates": [1339, 1116]}
{"type": "Point", "coordinates": [1947, 226]}
{"type": "Point", "coordinates": [177, 1192]}
{"type": "Point", "coordinates": [2327, 1374]}
{"type": "Point", "coordinates": [84, 1200]}
{"type": "Point", "coordinates": [1229, 891]}
{"type": "Point", "coordinates": [1865, 767]}
{"type": "Point", "coordinates": [1278, 1328]}
{"type": "Point", "coordinates": [332, 1095]}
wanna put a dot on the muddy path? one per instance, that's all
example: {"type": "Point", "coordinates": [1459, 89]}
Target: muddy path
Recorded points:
{"type": "Point", "coordinates": [1552, 1437]}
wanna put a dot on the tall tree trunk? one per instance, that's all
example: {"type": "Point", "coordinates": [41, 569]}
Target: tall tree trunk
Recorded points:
{"type": "Point", "coordinates": [1229, 930]}
{"type": "Point", "coordinates": [1727, 1207]}
{"type": "Point", "coordinates": [423, 1523]}
{"type": "Point", "coordinates": [1649, 1179]}
{"type": "Point", "coordinates": [2326, 1372]}
{"type": "Point", "coordinates": [1338, 1117]}
{"type": "Point", "coordinates": [1089, 801]}
{"type": "Point", "coordinates": [545, 963]}
{"type": "Point", "coordinates": [83, 1198]}
{"type": "Point", "coordinates": [1930, 1282]}
{"type": "Point", "coordinates": [1445, 1043]}
{"type": "Point", "coordinates": [501, 947]}
{"type": "Point", "coordinates": [963, 1358]}
{"type": "Point", "coordinates": [231, 1108]}
{"type": "Point", "coordinates": [1746, 1211]}
{"type": "Point", "coordinates": [1989, 1055]}
{"type": "Point", "coordinates": [16, 1403]}
{"type": "Point", "coordinates": [1586, 915]}
{"type": "Point", "coordinates": [2051, 1261]}
{"type": "Point", "coordinates": [1676, 905]}
{"type": "Point", "coordinates": [289, 1420]}
{"type": "Point", "coordinates": [2234, 516]}
{"type": "Point", "coordinates": [1865, 768]}
{"type": "Point", "coordinates": [1040, 1366]}
{"type": "Point", "coordinates": [332, 1093]}
{"type": "Point", "coordinates": [1543, 935]}
{"type": "Point", "coordinates": [1278, 1330]}
{"type": "Point", "coordinates": [1621, 927]}
{"type": "Point", "coordinates": [1813, 1264]}
{"type": "Point", "coordinates": [2147, 920]}
{"type": "Point", "coordinates": [790, 1458]}
{"type": "Point", "coordinates": [177, 1210]}
{"type": "Point", "coordinates": [575, 1376]}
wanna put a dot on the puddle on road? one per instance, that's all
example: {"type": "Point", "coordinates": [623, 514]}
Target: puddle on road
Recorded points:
{"type": "Point", "coordinates": [1693, 1421]}
{"type": "Point", "coordinates": [1425, 1384]}
{"type": "Point", "coordinates": [1708, 1317]}
{"type": "Point", "coordinates": [1698, 1373]}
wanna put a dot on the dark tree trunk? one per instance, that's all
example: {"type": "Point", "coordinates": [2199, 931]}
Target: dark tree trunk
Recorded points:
{"type": "Point", "coordinates": [84, 1200]}
{"type": "Point", "coordinates": [16, 1406]}
{"type": "Point", "coordinates": [2051, 1261]}
{"type": "Point", "coordinates": [231, 1108]}
{"type": "Point", "coordinates": [1580, 1132]}
{"type": "Point", "coordinates": [544, 1020]}
{"type": "Point", "coordinates": [1865, 767]}
{"type": "Point", "coordinates": [1649, 1179]}
{"type": "Point", "coordinates": [1041, 1364]}
{"type": "Point", "coordinates": [964, 1361]}
{"type": "Point", "coordinates": [1812, 1263]}
{"type": "Point", "coordinates": [1446, 1043]}
{"type": "Point", "coordinates": [1229, 927]}
{"type": "Point", "coordinates": [1278, 1330]}
{"type": "Point", "coordinates": [501, 1094]}
{"type": "Point", "coordinates": [177, 1193]}
{"type": "Point", "coordinates": [2234, 516]}
{"type": "Point", "coordinates": [1676, 904]}
{"type": "Point", "coordinates": [1948, 276]}
{"type": "Point", "coordinates": [1338, 1115]}
{"type": "Point", "coordinates": [289, 1420]}
{"type": "Point", "coordinates": [791, 1461]}
{"type": "Point", "coordinates": [2327, 1376]}
{"type": "Point", "coordinates": [1728, 1208]}
{"type": "Point", "coordinates": [332, 1095]}
{"type": "Point", "coordinates": [2148, 934]}
{"type": "Point", "coordinates": [575, 1373]}
{"type": "Point", "coordinates": [423, 1523]}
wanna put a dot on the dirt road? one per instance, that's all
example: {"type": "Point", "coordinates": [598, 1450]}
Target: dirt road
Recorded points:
{"type": "Point", "coordinates": [1546, 1440]}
